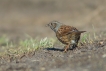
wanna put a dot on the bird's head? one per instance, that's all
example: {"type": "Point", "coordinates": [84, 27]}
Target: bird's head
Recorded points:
{"type": "Point", "coordinates": [54, 25]}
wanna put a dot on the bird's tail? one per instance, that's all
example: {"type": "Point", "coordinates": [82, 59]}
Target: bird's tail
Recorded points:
{"type": "Point", "coordinates": [81, 31]}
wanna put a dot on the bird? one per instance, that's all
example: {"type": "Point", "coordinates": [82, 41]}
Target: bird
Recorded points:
{"type": "Point", "coordinates": [67, 35]}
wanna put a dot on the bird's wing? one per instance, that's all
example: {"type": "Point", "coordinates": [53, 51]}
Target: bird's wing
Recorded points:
{"type": "Point", "coordinates": [65, 30]}
{"type": "Point", "coordinates": [75, 32]}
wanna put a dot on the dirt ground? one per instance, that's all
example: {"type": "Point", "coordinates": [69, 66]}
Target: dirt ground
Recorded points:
{"type": "Point", "coordinates": [18, 18]}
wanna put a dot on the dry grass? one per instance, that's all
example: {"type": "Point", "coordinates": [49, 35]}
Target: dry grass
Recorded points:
{"type": "Point", "coordinates": [28, 46]}
{"type": "Point", "coordinates": [25, 47]}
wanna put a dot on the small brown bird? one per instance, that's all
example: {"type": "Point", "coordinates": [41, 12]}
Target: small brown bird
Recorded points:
{"type": "Point", "coordinates": [66, 34]}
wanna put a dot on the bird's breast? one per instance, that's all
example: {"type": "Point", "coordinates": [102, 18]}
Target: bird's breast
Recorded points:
{"type": "Point", "coordinates": [63, 39]}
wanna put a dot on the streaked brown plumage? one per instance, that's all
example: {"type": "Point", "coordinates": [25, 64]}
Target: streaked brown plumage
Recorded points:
{"type": "Point", "coordinates": [66, 34]}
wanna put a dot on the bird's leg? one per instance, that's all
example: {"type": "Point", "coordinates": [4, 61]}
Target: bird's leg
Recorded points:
{"type": "Point", "coordinates": [66, 48]}
{"type": "Point", "coordinates": [74, 46]}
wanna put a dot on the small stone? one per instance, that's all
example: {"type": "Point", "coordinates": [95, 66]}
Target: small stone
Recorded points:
{"type": "Point", "coordinates": [101, 43]}
{"type": "Point", "coordinates": [104, 55]}
{"type": "Point", "coordinates": [43, 68]}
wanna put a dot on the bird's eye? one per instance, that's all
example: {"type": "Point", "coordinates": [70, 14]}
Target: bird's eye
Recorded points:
{"type": "Point", "coordinates": [52, 24]}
